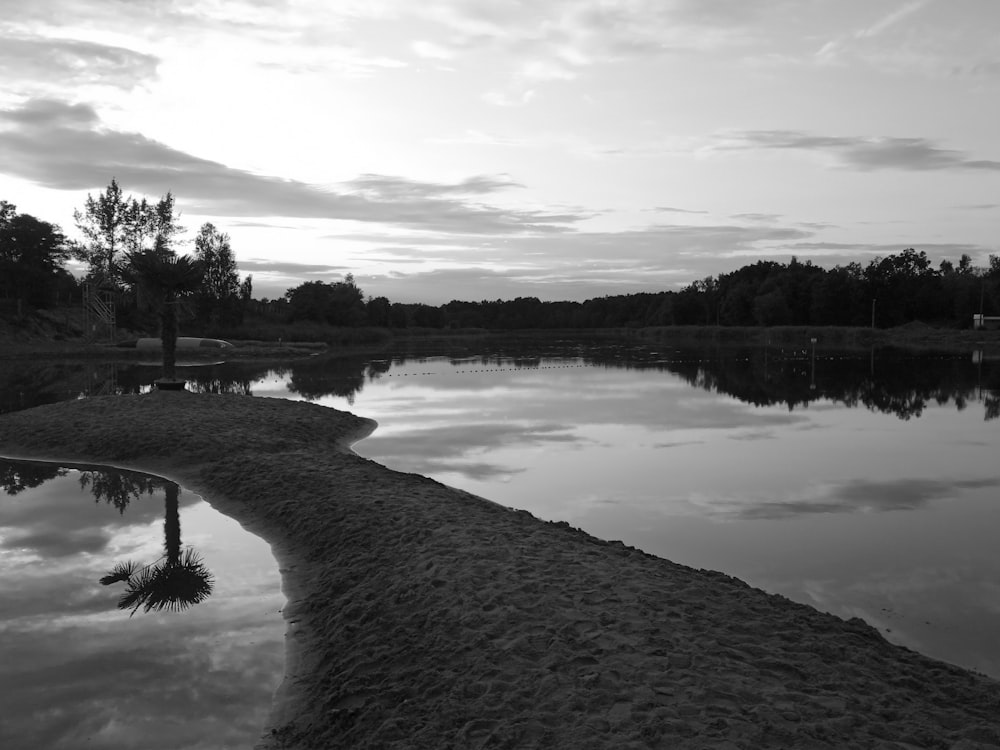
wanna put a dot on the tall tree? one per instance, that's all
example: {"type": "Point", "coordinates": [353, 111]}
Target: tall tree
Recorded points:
{"type": "Point", "coordinates": [31, 256]}
{"type": "Point", "coordinates": [219, 299]}
{"type": "Point", "coordinates": [114, 224]}
{"type": "Point", "coordinates": [108, 223]}
{"type": "Point", "coordinates": [162, 223]}
{"type": "Point", "coordinates": [246, 291]}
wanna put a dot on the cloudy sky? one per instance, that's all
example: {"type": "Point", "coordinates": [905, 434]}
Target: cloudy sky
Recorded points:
{"type": "Point", "coordinates": [483, 149]}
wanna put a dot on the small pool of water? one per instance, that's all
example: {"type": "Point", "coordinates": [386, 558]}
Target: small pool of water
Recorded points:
{"type": "Point", "coordinates": [76, 670]}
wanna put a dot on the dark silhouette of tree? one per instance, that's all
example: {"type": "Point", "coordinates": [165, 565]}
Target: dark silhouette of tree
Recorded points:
{"type": "Point", "coordinates": [379, 312]}
{"type": "Point", "coordinates": [340, 303]}
{"type": "Point", "coordinates": [32, 253]}
{"type": "Point", "coordinates": [106, 223]}
{"type": "Point", "coordinates": [114, 225]}
{"type": "Point", "coordinates": [220, 298]}
{"type": "Point", "coordinates": [164, 279]}
{"type": "Point", "coordinates": [175, 582]}
{"type": "Point", "coordinates": [246, 294]}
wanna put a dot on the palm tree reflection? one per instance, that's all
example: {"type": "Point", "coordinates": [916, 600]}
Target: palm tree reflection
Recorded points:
{"type": "Point", "coordinates": [174, 582]}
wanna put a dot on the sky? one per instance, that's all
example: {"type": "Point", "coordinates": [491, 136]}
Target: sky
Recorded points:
{"type": "Point", "coordinates": [491, 149]}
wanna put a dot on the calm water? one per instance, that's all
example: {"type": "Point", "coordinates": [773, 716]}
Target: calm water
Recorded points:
{"type": "Point", "coordinates": [75, 670]}
{"type": "Point", "coordinates": [865, 484]}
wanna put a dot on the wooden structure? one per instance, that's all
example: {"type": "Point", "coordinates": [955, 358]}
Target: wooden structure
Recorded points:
{"type": "Point", "coordinates": [100, 320]}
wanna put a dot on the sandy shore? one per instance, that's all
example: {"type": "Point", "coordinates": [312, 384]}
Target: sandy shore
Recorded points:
{"type": "Point", "coordinates": [423, 617]}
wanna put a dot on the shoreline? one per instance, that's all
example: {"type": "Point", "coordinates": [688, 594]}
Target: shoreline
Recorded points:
{"type": "Point", "coordinates": [917, 337]}
{"type": "Point", "coordinates": [422, 616]}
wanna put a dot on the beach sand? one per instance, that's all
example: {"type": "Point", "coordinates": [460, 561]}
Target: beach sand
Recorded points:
{"type": "Point", "coordinates": [421, 616]}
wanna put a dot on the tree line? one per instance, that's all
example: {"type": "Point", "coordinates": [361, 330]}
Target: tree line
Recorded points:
{"type": "Point", "coordinates": [890, 291]}
{"type": "Point", "coordinates": [120, 231]}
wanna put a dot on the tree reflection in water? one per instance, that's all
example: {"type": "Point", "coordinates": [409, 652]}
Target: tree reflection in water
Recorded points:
{"type": "Point", "coordinates": [117, 488]}
{"type": "Point", "coordinates": [886, 380]}
{"type": "Point", "coordinates": [174, 582]}
{"type": "Point", "coordinates": [179, 579]}
{"type": "Point", "coordinates": [16, 477]}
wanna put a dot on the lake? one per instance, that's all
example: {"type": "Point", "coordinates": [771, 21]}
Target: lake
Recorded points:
{"type": "Point", "coordinates": [863, 483]}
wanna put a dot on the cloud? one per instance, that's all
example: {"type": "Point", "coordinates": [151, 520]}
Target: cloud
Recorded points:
{"type": "Point", "coordinates": [671, 209]}
{"type": "Point", "coordinates": [59, 542]}
{"type": "Point", "coordinates": [552, 41]}
{"type": "Point", "coordinates": [891, 19]}
{"type": "Point", "coordinates": [383, 187]}
{"type": "Point", "coordinates": [979, 69]}
{"type": "Point", "coordinates": [478, 471]}
{"type": "Point", "coordinates": [865, 153]}
{"type": "Point", "coordinates": [66, 147]}
{"type": "Point", "coordinates": [454, 449]}
{"type": "Point", "coordinates": [32, 61]}
{"type": "Point", "coordinates": [834, 49]}
{"type": "Point", "coordinates": [859, 495]}
{"type": "Point", "coordinates": [431, 51]}
{"type": "Point", "coordinates": [763, 218]}
{"type": "Point", "coordinates": [678, 444]}
{"type": "Point", "coordinates": [106, 686]}
{"type": "Point", "coordinates": [586, 31]}
{"type": "Point", "coordinates": [509, 98]}
{"type": "Point", "coordinates": [754, 436]}
{"type": "Point", "coordinates": [904, 494]}
{"type": "Point", "coordinates": [290, 268]}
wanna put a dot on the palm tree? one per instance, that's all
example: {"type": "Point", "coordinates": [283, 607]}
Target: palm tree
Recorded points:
{"type": "Point", "coordinates": [175, 581]}
{"type": "Point", "coordinates": [163, 278]}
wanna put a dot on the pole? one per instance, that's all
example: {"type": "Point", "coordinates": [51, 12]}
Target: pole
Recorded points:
{"type": "Point", "coordinates": [812, 382]}
{"type": "Point", "coordinates": [873, 312]}
{"type": "Point", "coordinates": [982, 294]}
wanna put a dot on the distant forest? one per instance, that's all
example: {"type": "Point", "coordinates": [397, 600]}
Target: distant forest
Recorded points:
{"type": "Point", "coordinates": [888, 291]}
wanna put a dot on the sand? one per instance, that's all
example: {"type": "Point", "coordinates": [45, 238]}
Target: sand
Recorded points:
{"type": "Point", "coordinates": [421, 616]}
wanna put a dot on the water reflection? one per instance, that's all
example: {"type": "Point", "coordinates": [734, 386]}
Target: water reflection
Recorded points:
{"type": "Point", "coordinates": [75, 671]}
{"type": "Point", "coordinates": [18, 476]}
{"type": "Point", "coordinates": [175, 581]}
{"type": "Point", "coordinates": [886, 380]}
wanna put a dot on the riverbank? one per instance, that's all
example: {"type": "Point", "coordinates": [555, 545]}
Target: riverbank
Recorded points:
{"type": "Point", "coordinates": [46, 340]}
{"type": "Point", "coordinates": [423, 617]}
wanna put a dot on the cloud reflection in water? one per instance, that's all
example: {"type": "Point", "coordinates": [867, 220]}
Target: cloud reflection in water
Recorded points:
{"type": "Point", "coordinates": [76, 671]}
